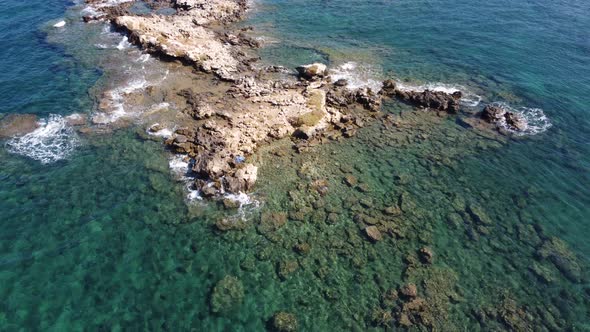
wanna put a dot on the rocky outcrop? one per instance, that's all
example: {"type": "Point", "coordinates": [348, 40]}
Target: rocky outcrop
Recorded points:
{"type": "Point", "coordinates": [516, 121]}
{"type": "Point", "coordinates": [182, 37]}
{"type": "Point", "coordinates": [498, 116]}
{"type": "Point", "coordinates": [433, 100]}
{"type": "Point", "coordinates": [208, 11]}
{"type": "Point", "coordinates": [493, 114]}
{"type": "Point", "coordinates": [259, 111]}
{"type": "Point", "coordinates": [312, 71]}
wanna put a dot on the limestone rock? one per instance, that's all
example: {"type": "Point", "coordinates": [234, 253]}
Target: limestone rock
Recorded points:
{"type": "Point", "coordinates": [312, 71]}
{"type": "Point", "coordinates": [179, 37]}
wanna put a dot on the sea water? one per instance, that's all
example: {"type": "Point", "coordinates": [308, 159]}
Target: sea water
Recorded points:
{"type": "Point", "coordinates": [98, 233]}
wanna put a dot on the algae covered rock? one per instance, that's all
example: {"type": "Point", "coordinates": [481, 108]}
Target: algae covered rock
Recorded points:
{"type": "Point", "coordinates": [409, 291]}
{"type": "Point", "coordinates": [479, 215]}
{"type": "Point", "coordinates": [227, 295]}
{"type": "Point", "coordinates": [284, 322]}
{"type": "Point", "coordinates": [426, 255]}
{"type": "Point", "coordinates": [373, 233]}
{"type": "Point", "coordinates": [287, 267]}
{"type": "Point", "coordinates": [272, 221]}
{"type": "Point", "coordinates": [557, 251]}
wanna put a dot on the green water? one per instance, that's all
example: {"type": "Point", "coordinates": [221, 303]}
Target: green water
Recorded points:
{"type": "Point", "coordinates": [105, 239]}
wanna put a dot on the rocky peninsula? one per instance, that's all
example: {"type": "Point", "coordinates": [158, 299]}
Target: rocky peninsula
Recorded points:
{"type": "Point", "coordinates": [241, 106]}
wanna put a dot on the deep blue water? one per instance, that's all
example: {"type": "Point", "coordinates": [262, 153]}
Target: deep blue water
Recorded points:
{"type": "Point", "coordinates": [103, 240]}
{"type": "Point", "coordinates": [38, 77]}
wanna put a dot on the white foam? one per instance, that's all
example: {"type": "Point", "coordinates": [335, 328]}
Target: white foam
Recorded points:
{"type": "Point", "coordinates": [143, 58]}
{"type": "Point", "coordinates": [469, 98]}
{"type": "Point", "coordinates": [357, 75]}
{"type": "Point", "coordinates": [193, 195]}
{"type": "Point", "coordinates": [54, 140]}
{"type": "Point", "coordinates": [166, 133]}
{"type": "Point", "coordinates": [242, 199]}
{"type": "Point", "coordinates": [179, 166]}
{"type": "Point", "coordinates": [537, 121]}
{"type": "Point", "coordinates": [109, 3]}
{"type": "Point", "coordinates": [60, 24]}
{"type": "Point", "coordinates": [123, 44]}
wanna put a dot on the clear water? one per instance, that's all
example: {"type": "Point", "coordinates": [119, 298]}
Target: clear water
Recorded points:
{"type": "Point", "coordinates": [104, 239]}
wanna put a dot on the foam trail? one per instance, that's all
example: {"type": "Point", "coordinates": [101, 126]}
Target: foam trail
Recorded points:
{"type": "Point", "coordinates": [52, 141]}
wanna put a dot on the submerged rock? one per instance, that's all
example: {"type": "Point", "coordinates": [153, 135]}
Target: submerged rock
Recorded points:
{"type": "Point", "coordinates": [272, 221]}
{"type": "Point", "coordinates": [426, 255]}
{"type": "Point", "coordinates": [284, 322]}
{"type": "Point", "coordinates": [373, 233]}
{"type": "Point", "coordinates": [227, 295]}
{"type": "Point", "coordinates": [409, 291]}
{"type": "Point", "coordinates": [287, 267]}
{"type": "Point", "coordinates": [479, 215]}
{"type": "Point", "coordinates": [557, 251]}
{"type": "Point", "coordinates": [17, 124]}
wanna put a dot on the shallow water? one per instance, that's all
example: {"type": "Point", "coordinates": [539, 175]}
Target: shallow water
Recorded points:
{"type": "Point", "coordinates": [104, 238]}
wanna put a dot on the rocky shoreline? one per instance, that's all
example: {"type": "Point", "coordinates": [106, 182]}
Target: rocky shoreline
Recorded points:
{"type": "Point", "coordinates": [243, 106]}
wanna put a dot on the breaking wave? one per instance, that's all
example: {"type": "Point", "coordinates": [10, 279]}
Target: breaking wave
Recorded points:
{"type": "Point", "coordinates": [537, 121]}
{"type": "Point", "coordinates": [357, 75]}
{"type": "Point", "coordinates": [54, 140]}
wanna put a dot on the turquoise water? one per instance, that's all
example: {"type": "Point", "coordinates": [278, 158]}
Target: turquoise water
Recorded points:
{"type": "Point", "coordinates": [104, 239]}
